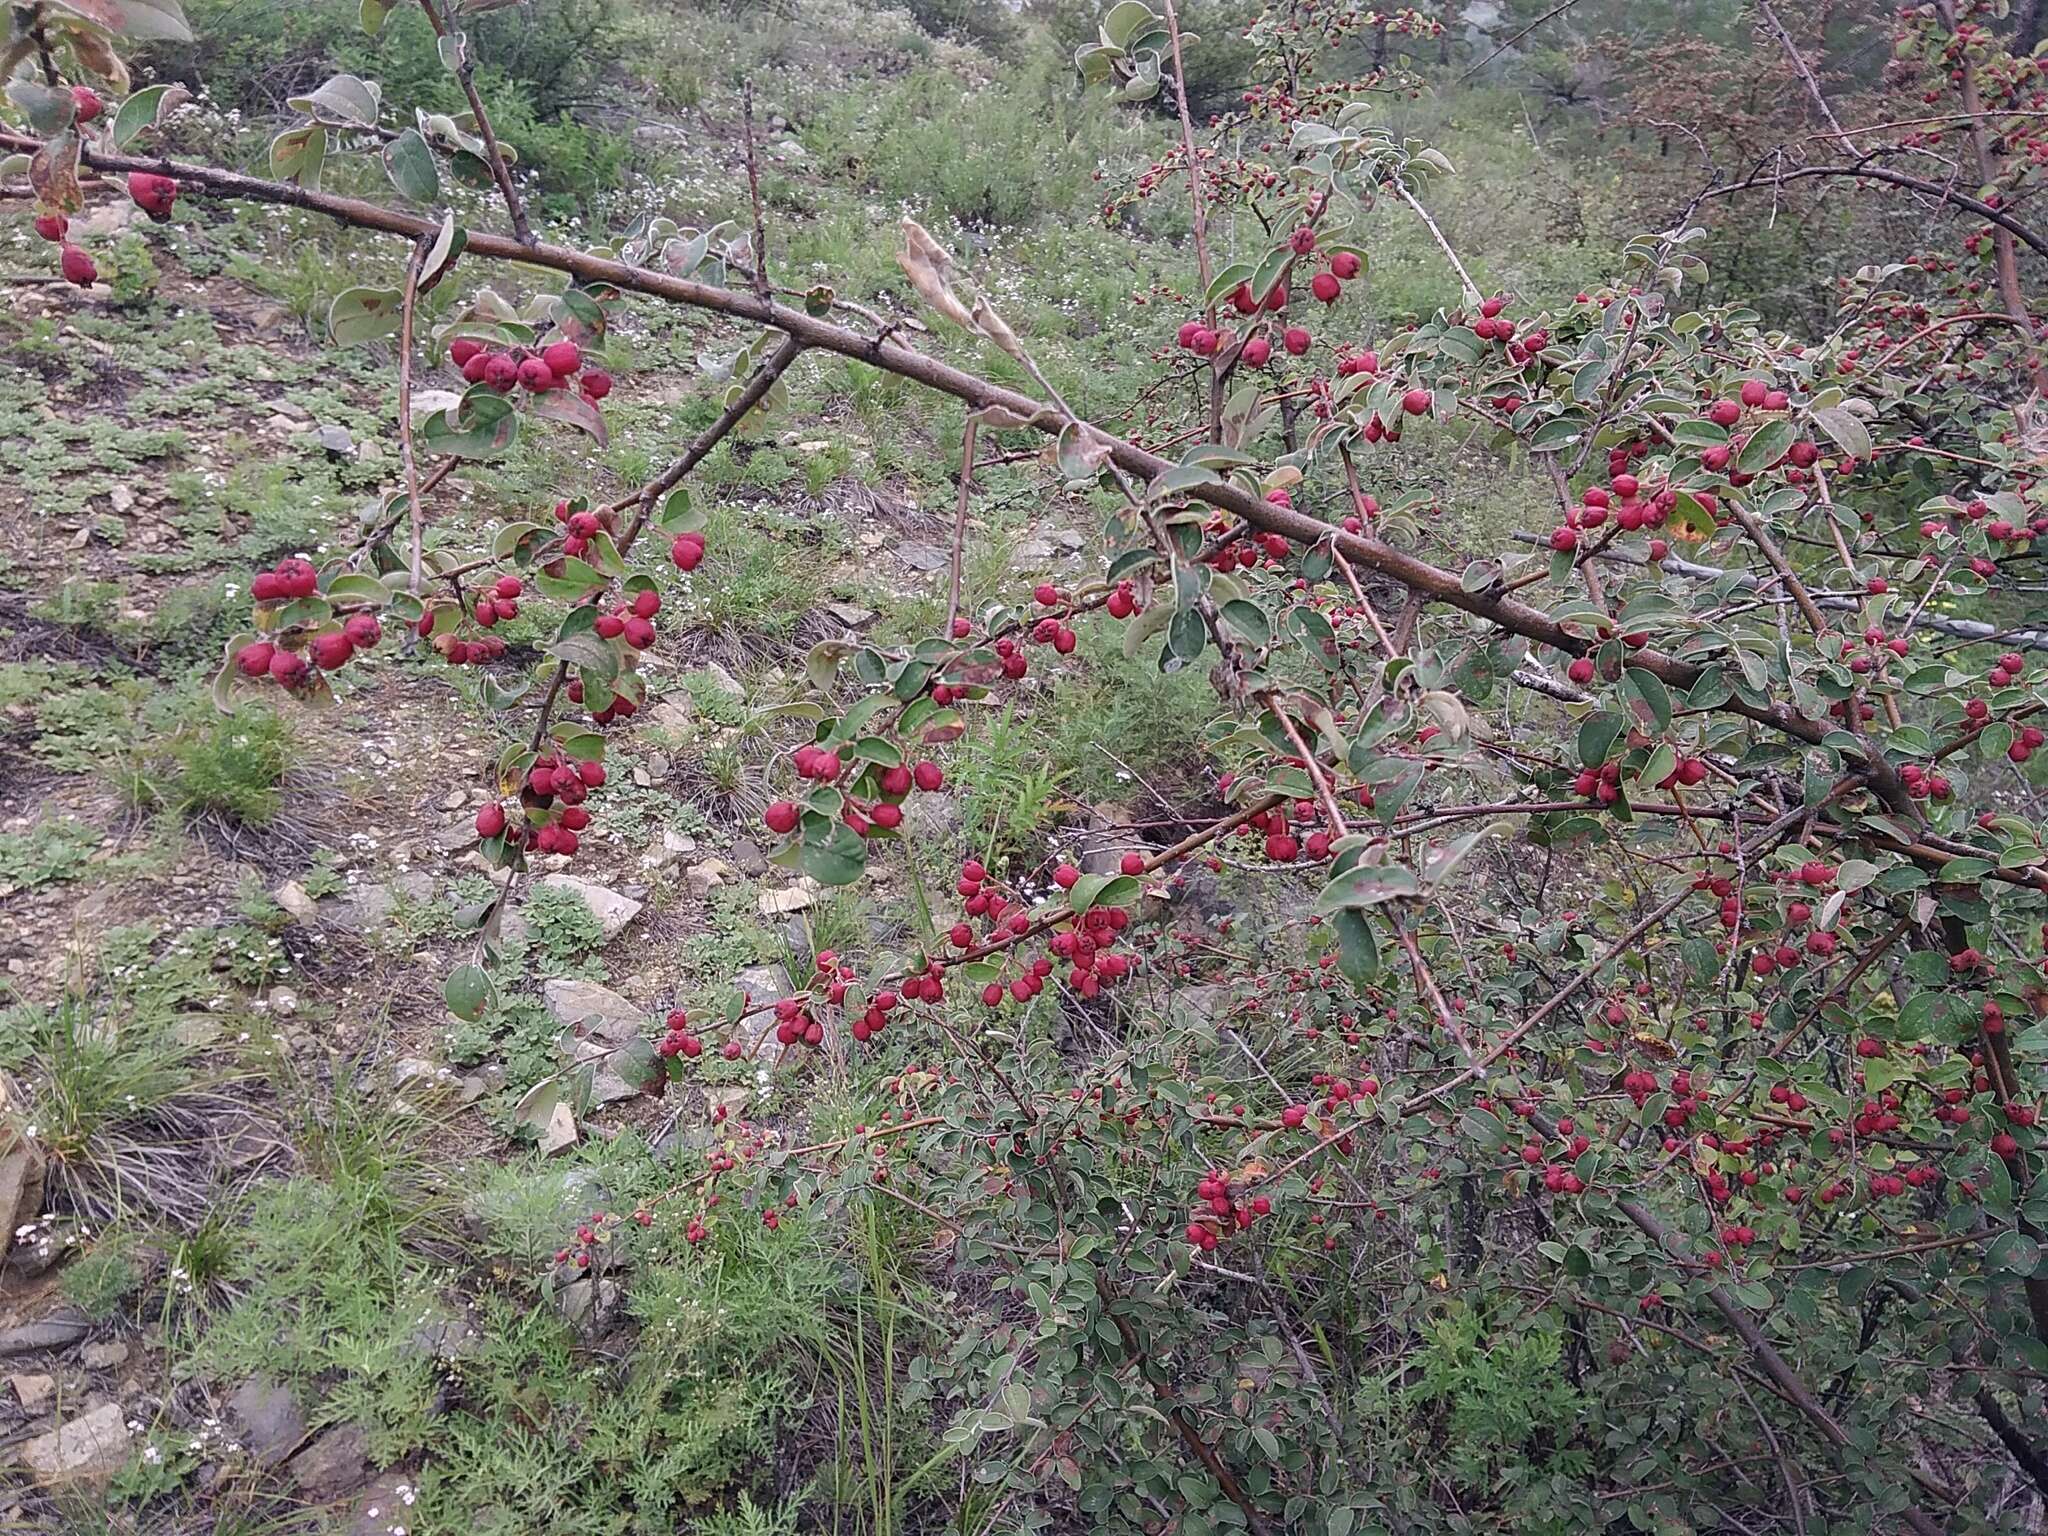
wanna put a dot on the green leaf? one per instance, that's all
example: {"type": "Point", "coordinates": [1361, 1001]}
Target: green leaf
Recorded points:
{"type": "Point", "coordinates": [468, 992]}
{"type": "Point", "coordinates": [448, 245]}
{"type": "Point", "coordinates": [1768, 444]}
{"type": "Point", "coordinates": [142, 21]}
{"type": "Point", "coordinates": [587, 652]}
{"type": "Point", "coordinates": [364, 314]}
{"type": "Point", "coordinates": [371, 14]}
{"type": "Point", "coordinates": [482, 426]}
{"type": "Point", "coordinates": [840, 862]}
{"type": "Point", "coordinates": [1358, 949]}
{"type": "Point", "coordinates": [1367, 885]}
{"type": "Point", "coordinates": [142, 109]}
{"type": "Point", "coordinates": [298, 154]}
{"type": "Point", "coordinates": [48, 108]}
{"type": "Point", "coordinates": [1248, 619]}
{"type": "Point", "coordinates": [410, 165]}
{"type": "Point", "coordinates": [1102, 891]}
{"type": "Point", "coordinates": [1846, 428]}
{"type": "Point", "coordinates": [1596, 737]}
{"type": "Point", "coordinates": [1648, 687]}
{"type": "Point", "coordinates": [570, 406]}
{"type": "Point", "coordinates": [343, 102]}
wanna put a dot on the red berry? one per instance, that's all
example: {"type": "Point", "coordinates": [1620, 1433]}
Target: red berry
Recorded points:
{"type": "Point", "coordinates": [781, 817]}
{"type": "Point", "coordinates": [332, 650]}
{"type": "Point", "coordinates": [596, 385]}
{"type": "Point", "coordinates": [77, 267]}
{"type": "Point", "coordinates": [490, 820]}
{"type": "Point", "coordinates": [253, 660]}
{"type": "Point", "coordinates": [562, 358]}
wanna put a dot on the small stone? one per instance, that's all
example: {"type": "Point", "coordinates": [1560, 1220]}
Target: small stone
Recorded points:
{"type": "Point", "coordinates": [337, 441]}
{"type": "Point", "coordinates": [599, 1009]}
{"type": "Point", "coordinates": [560, 1131]}
{"type": "Point", "coordinates": [284, 1002]}
{"type": "Point", "coordinates": [612, 910]}
{"type": "Point", "coordinates": [702, 878]}
{"type": "Point", "coordinates": [795, 898]}
{"type": "Point", "coordinates": [296, 903]}
{"type": "Point", "coordinates": [333, 1465]}
{"type": "Point", "coordinates": [104, 1357]}
{"type": "Point", "coordinates": [121, 499]}
{"type": "Point", "coordinates": [419, 1080]}
{"type": "Point", "coordinates": [752, 861]}
{"type": "Point", "coordinates": [455, 800]}
{"type": "Point", "coordinates": [33, 1392]}
{"type": "Point", "coordinates": [89, 1449]}
{"type": "Point", "coordinates": [266, 1419]}
{"type": "Point", "coordinates": [53, 1332]}
{"type": "Point", "coordinates": [922, 557]}
{"type": "Point", "coordinates": [850, 614]}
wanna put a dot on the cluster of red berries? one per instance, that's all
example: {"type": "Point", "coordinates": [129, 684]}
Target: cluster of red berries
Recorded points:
{"type": "Point", "coordinates": [1602, 784]}
{"type": "Point", "coordinates": [289, 581]}
{"type": "Point", "coordinates": [454, 649]}
{"type": "Point", "coordinates": [1049, 630]}
{"type": "Point", "coordinates": [1219, 1214]}
{"type": "Point", "coordinates": [892, 787]}
{"type": "Point", "coordinates": [680, 1041]}
{"type": "Point", "coordinates": [500, 600]}
{"type": "Point", "coordinates": [552, 801]}
{"type": "Point", "coordinates": [550, 367]}
{"type": "Point", "coordinates": [580, 527]}
{"type": "Point", "coordinates": [1277, 828]}
{"type": "Point", "coordinates": [1922, 785]}
{"type": "Point", "coordinates": [1630, 505]}
{"type": "Point", "coordinates": [632, 621]}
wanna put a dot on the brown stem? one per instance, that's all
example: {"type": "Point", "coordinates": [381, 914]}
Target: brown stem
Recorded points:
{"type": "Point", "coordinates": [1176, 1414]}
{"type": "Point", "coordinates": [1935, 189]}
{"type": "Point", "coordinates": [754, 194]}
{"type": "Point", "coordinates": [414, 513]}
{"type": "Point", "coordinates": [465, 76]}
{"type": "Point", "coordinates": [1362, 549]}
{"type": "Point", "coordinates": [960, 523]}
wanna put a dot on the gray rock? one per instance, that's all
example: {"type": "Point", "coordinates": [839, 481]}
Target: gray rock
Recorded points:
{"type": "Point", "coordinates": [363, 910]}
{"type": "Point", "coordinates": [560, 1130]}
{"type": "Point", "coordinates": [612, 910]}
{"type": "Point", "coordinates": [722, 680]}
{"type": "Point", "coordinates": [447, 1338]}
{"type": "Point", "coordinates": [334, 1465]}
{"type": "Point", "coordinates": [296, 903]}
{"type": "Point", "coordinates": [419, 1080]}
{"type": "Point", "coordinates": [931, 817]}
{"type": "Point", "coordinates": [1034, 552]}
{"type": "Point", "coordinates": [337, 441]}
{"type": "Point", "coordinates": [53, 1332]}
{"type": "Point", "coordinates": [590, 1306]}
{"type": "Point", "coordinates": [104, 1357]}
{"type": "Point", "coordinates": [33, 1392]}
{"type": "Point", "coordinates": [381, 1508]}
{"type": "Point", "coordinates": [752, 861]}
{"type": "Point", "coordinates": [21, 1184]}
{"type": "Point", "coordinates": [266, 1420]}
{"type": "Point", "coordinates": [922, 557]}
{"type": "Point", "coordinates": [91, 1448]}
{"type": "Point", "coordinates": [850, 614]}
{"type": "Point", "coordinates": [607, 1015]}
{"type": "Point", "coordinates": [701, 879]}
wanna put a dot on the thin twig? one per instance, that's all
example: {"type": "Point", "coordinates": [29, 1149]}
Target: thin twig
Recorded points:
{"type": "Point", "coordinates": [414, 513]}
